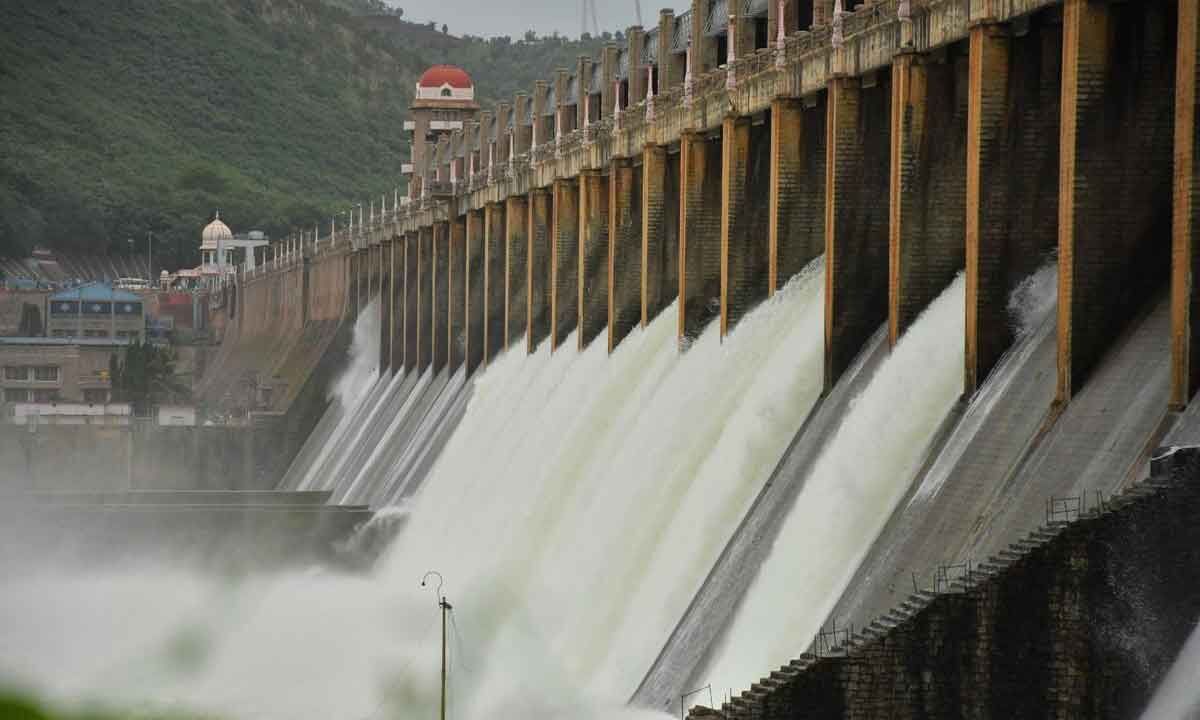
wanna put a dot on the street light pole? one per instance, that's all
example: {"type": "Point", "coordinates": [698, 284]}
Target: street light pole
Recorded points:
{"type": "Point", "coordinates": [149, 257]}
{"type": "Point", "coordinates": [444, 607]}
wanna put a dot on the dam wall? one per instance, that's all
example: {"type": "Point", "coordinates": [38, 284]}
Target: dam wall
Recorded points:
{"type": "Point", "coordinates": [287, 329]}
{"type": "Point", "coordinates": [1083, 617]}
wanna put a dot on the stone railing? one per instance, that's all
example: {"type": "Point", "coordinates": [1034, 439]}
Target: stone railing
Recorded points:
{"type": "Point", "coordinates": [872, 35]}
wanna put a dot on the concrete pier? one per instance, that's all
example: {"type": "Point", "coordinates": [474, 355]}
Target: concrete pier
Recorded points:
{"type": "Point", "coordinates": [856, 218]}
{"type": "Point", "coordinates": [660, 230]}
{"type": "Point", "coordinates": [516, 270]}
{"type": "Point", "coordinates": [456, 289]}
{"type": "Point", "coordinates": [699, 233]}
{"type": "Point", "coordinates": [624, 250]}
{"type": "Point", "coordinates": [539, 273]}
{"type": "Point", "coordinates": [796, 195]}
{"type": "Point", "coordinates": [439, 327]}
{"type": "Point", "coordinates": [1115, 173]}
{"type": "Point", "coordinates": [1185, 297]}
{"type": "Point", "coordinates": [1011, 176]}
{"type": "Point", "coordinates": [386, 306]}
{"type": "Point", "coordinates": [425, 271]}
{"type": "Point", "coordinates": [493, 281]}
{"type": "Point", "coordinates": [474, 319]}
{"type": "Point", "coordinates": [411, 280]}
{"type": "Point", "coordinates": [564, 262]}
{"type": "Point", "coordinates": [745, 231]}
{"type": "Point", "coordinates": [927, 183]}
{"type": "Point", "coordinates": [593, 256]}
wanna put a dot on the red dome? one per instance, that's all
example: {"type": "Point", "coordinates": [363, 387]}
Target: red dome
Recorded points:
{"type": "Point", "coordinates": [440, 75]}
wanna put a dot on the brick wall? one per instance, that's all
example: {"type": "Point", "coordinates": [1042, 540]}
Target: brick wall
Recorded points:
{"type": "Point", "coordinates": [540, 219]}
{"type": "Point", "coordinates": [1116, 173]}
{"type": "Point", "coordinates": [516, 271]}
{"type": "Point", "coordinates": [625, 250]}
{"type": "Point", "coordinates": [564, 261]}
{"type": "Point", "coordinates": [593, 256]}
{"type": "Point", "coordinates": [856, 248]}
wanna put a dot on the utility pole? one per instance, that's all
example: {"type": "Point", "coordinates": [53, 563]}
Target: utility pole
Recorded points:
{"type": "Point", "coordinates": [443, 607]}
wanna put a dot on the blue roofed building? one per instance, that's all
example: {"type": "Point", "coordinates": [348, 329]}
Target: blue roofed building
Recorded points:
{"type": "Point", "coordinates": [96, 311]}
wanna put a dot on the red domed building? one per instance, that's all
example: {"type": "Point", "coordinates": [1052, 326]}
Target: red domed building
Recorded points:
{"type": "Point", "coordinates": [443, 101]}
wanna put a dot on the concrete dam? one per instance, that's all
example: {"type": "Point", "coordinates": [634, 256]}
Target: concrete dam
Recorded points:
{"type": "Point", "coordinates": [803, 355]}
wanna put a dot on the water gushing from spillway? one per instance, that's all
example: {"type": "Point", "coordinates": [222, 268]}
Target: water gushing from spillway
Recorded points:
{"type": "Point", "coordinates": [849, 494]}
{"type": "Point", "coordinates": [574, 512]}
{"type": "Point", "coordinates": [1178, 698]}
{"type": "Point", "coordinates": [350, 391]}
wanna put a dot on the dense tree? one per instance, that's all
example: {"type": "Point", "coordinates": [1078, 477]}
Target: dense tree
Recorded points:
{"type": "Point", "coordinates": [146, 376]}
{"type": "Point", "coordinates": [119, 117]}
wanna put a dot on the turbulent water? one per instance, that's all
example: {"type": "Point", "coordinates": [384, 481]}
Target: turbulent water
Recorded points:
{"type": "Point", "coordinates": [1178, 698]}
{"type": "Point", "coordinates": [349, 393]}
{"type": "Point", "coordinates": [573, 512]}
{"type": "Point", "coordinates": [851, 491]}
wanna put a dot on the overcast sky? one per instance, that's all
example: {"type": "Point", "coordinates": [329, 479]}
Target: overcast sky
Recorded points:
{"type": "Point", "coordinates": [514, 17]}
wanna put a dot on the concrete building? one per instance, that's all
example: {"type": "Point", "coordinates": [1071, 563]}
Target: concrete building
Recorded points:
{"type": "Point", "coordinates": [96, 311]}
{"type": "Point", "coordinates": [51, 370]}
{"type": "Point", "coordinates": [443, 103]}
{"type": "Point", "coordinates": [220, 248]}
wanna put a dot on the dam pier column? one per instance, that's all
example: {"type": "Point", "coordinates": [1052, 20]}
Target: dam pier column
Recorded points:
{"type": "Point", "coordinates": [1011, 220]}
{"type": "Point", "coordinates": [473, 317]}
{"type": "Point", "coordinates": [745, 234]}
{"type": "Point", "coordinates": [927, 182]}
{"type": "Point", "coordinates": [537, 310]}
{"type": "Point", "coordinates": [397, 329]}
{"type": "Point", "coordinates": [593, 256]}
{"type": "Point", "coordinates": [1115, 177]}
{"type": "Point", "coordinates": [796, 196]}
{"type": "Point", "coordinates": [411, 243]}
{"type": "Point", "coordinates": [516, 270]}
{"type": "Point", "coordinates": [493, 281]}
{"type": "Point", "coordinates": [425, 270]}
{"type": "Point", "coordinates": [385, 306]}
{"type": "Point", "coordinates": [1185, 261]}
{"type": "Point", "coordinates": [699, 234]}
{"type": "Point", "coordinates": [564, 261]}
{"type": "Point", "coordinates": [856, 218]}
{"type": "Point", "coordinates": [660, 230]}
{"type": "Point", "coordinates": [624, 250]}
{"type": "Point", "coordinates": [440, 295]}
{"type": "Point", "coordinates": [456, 293]}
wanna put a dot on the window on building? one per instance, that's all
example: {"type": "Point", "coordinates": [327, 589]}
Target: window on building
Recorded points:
{"type": "Point", "coordinates": [12, 395]}
{"type": "Point", "coordinates": [45, 396]}
{"type": "Point", "coordinates": [61, 333]}
{"type": "Point", "coordinates": [46, 373]}
{"type": "Point", "coordinates": [94, 396]}
{"type": "Point", "coordinates": [445, 92]}
{"type": "Point", "coordinates": [95, 333]}
{"type": "Point", "coordinates": [16, 372]}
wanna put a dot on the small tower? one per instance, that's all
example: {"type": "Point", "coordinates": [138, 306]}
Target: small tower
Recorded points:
{"type": "Point", "coordinates": [444, 100]}
{"type": "Point", "coordinates": [216, 240]}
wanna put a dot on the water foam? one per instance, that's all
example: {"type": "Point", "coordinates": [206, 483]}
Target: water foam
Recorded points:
{"type": "Point", "coordinates": [574, 512]}
{"type": "Point", "coordinates": [851, 491]}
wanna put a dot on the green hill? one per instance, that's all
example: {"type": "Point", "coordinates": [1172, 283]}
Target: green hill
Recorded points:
{"type": "Point", "coordinates": [119, 117]}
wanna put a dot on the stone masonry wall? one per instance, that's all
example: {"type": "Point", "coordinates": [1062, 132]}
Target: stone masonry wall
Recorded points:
{"type": "Point", "coordinates": [1082, 619]}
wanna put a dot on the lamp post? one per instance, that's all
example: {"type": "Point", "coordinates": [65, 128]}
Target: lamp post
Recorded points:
{"type": "Point", "coordinates": [443, 606]}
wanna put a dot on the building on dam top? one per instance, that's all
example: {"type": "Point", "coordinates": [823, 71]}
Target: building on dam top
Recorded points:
{"type": "Point", "coordinates": [444, 100]}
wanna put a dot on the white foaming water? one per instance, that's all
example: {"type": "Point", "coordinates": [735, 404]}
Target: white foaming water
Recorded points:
{"type": "Point", "coordinates": [349, 391]}
{"type": "Point", "coordinates": [851, 491]}
{"type": "Point", "coordinates": [1031, 306]}
{"type": "Point", "coordinates": [573, 513]}
{"type": "Point", "coordinates": [1178, 698]}
{"type": "Point", "coordinates": [364, 358]}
